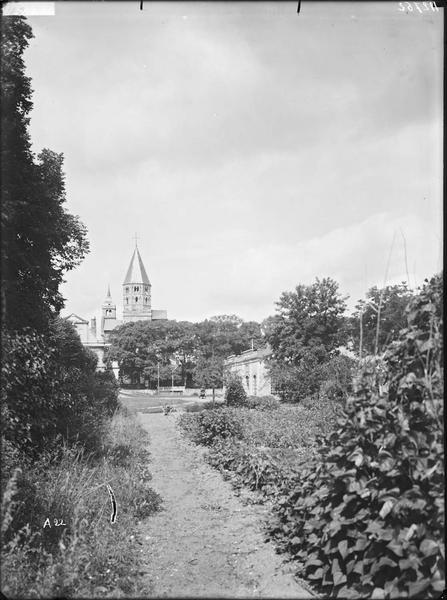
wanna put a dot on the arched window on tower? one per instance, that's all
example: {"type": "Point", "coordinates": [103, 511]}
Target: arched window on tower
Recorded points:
{"type": "Point", "coordinates": [145, 300]}
{"type": "Point", "coordinates": [136, 288]}
{"type": "Point", "coordinates": [127, 300]}
{"type": "Point", "coordinates": [136, 298]}
{"type": "Point", "coordinates": [127, 290]}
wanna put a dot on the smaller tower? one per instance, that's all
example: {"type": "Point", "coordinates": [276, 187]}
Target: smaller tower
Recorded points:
{"type": "Point", "coordinates": [108, 314]}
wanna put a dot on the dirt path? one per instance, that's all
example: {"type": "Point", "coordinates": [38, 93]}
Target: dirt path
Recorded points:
{"type": "Point", "coordinates": [205, 543]}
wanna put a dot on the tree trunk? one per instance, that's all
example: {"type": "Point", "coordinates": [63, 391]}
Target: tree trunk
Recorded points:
{"type": "Point", "coordinates": [214, 395]}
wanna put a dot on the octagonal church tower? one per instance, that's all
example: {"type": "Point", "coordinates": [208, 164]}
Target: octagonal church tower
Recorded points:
{"type": "Point", "coordinates": [136, 291]}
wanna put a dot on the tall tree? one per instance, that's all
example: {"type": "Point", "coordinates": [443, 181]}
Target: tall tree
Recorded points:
{"type": "Point", "coordinates": [208, 373]}
{"type": "Point", "coordinates": [40, 240]}
{"type": "Point", "coordinates": [310, 319]}
{"type": "Point", "coordinates": [305, 334]}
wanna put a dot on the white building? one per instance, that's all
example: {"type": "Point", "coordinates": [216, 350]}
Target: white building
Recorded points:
{"type": "Point", "coordinates": [91, 338]}
{"type": "Point", "coordinates": [251, 367]}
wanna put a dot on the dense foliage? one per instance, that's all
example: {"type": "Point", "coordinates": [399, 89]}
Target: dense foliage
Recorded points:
{"type": "Point", "coordinates": [366, 518]}
{"type": "Point", "coordinates": [392, 300]}
{"type": "Point", "coordinates": [208, 373]}
{"type": "Point", "coordinates": [235, 394]}
{"type": "Point", "coordinates": [263, 444]}
{"type": "Point", "coordinates": [210, 425]}
{"type": "Point", "coordinates": [308, 320]}
{"type": "Point", "coordinates": [190, 354]}
{"type": "Point", "coordinates": [331, 378]}
{"type": "Point", "coordinates": [305, 335]}
{"type": "Point", "coordinates": [263, 402]}
{"type": "Point", "coordinates": [51, 390]}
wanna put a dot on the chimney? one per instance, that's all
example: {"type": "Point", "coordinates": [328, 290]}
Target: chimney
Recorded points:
{"type": "Point", "coordinates": [93, 325]}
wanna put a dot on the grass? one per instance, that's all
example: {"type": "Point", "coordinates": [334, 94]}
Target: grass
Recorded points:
{"type": "Point", "coordinates": [86, 555]}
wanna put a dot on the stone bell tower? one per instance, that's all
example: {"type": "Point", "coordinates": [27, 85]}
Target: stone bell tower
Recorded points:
{"type": "Point", "coordinates": [136, 291]}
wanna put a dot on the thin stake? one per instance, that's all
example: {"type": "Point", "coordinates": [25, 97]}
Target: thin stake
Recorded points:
{"type": "Point", "coordinates": [361, 332]}
{"type": "Point", "coordinates": [405, 255]}
{"type": "Point", "coordinates": [381, 295]}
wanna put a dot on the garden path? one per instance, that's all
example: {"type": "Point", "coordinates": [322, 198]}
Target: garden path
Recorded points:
{"type": "Point", "coordinates": [204, 542]}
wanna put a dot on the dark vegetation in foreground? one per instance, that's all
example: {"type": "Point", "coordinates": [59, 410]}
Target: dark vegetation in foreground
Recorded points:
{"type": "Point", "coordinates": [65, 439]}
{"type": "Point", "coordinates": [63, 436]}
{"type": "Point", "coordinates": [359, 505]}
{"type": "Point", "coordinates": [87, 556]}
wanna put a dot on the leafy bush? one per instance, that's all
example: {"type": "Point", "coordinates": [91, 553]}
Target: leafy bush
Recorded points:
{"type": "Point", "coordinates": [293, 382]}
{"type": "Point", "coordinates": [259, 468]}
{"type": "Point", "coordinates": [322, 413]}
{"type": "Point", "coordinates": [329, 376]}
{"type": "Point", "coordinates": [50, 389]}
{"type": "Point", "coordinates": [235, 394]}
{"type": "Point", "coordinates": [208, 426]}
{"type": "Point", "coordinates": [337, 377]}
{"type": "Point", "coordinates": [366, 519]}
{"type": "Point", "coordinates": [263, 402]}
{"type": "Point", "coordinates": [199, 406]}
{"type": "Point", "coordinates": [28, 390]}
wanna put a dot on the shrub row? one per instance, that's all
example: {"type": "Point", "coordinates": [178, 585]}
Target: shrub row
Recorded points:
{"type": "Point", "coordinates": [209, 425]}
{"type": "Point", "coordinates": [331, 378]}
{"type": "Point", "coordinates": [259, 468]}
{"type": "Point", "coordinates": [262, 402]}
{"type": "Point", "coordinates": [366, 518]}
{"type": "Point", "coordinates": [260, 448]}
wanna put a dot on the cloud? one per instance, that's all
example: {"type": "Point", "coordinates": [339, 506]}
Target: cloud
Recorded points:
{"type": "Point", "coordinates": [355, 256]}
{"type": "Point", "coordinates": [222, 85]}
{"type": "Point", "coordinates": [249, 147]}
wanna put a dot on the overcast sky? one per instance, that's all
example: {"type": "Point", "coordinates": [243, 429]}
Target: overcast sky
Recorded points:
{"type": "Point", "coordinates": [251, 148]}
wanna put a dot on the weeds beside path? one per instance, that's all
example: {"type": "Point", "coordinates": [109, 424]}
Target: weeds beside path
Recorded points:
{"type": "Point", "coordinates": [85, 555]}
{"type": "Point", "coordinates": [205, 542]}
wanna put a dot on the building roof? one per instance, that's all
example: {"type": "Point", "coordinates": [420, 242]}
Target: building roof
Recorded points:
{"type": "Point", "coordinates": [136, 273]}
{"type": "Point", "coordinates": [249, 356]}
{"type": "Point", "coordinates": [73, 318]}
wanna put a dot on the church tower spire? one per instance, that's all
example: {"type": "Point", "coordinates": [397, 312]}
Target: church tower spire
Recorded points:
{"type": "Point", "coordinates": [136, 290]}
{"type": "Point", "coordinates": [108, 314]}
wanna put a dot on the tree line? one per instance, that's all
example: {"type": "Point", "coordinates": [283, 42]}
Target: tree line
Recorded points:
{"type": "Point", "coordinates": [191, 354]}
{"type": "Point", "coordinates": [306, 335]}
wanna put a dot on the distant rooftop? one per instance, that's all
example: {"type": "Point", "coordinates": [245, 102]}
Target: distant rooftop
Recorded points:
{"type": "Point", "coordinates": [249, 355]}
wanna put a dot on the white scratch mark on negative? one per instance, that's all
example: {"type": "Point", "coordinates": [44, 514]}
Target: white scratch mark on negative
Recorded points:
{"type": "Point", "coordinates": [28, 9]}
